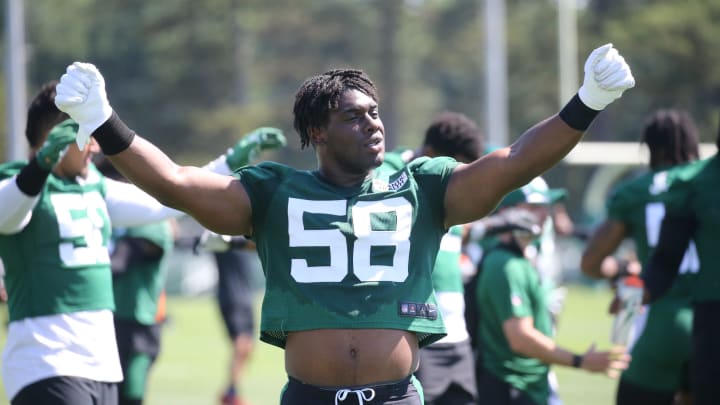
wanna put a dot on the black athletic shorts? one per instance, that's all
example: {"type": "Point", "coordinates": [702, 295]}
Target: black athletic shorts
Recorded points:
{"type": "Point", "coordinates": [133, 337]}
{"type": "Point", "coordinates": [67, 391]}
{"type": "Point", "coordinates": [403, 392]}
{"type": "Point", "coordinates": [447, 373]}
{"type": "Point", "coordinates": [492, 390]}
{"type": "Point", "coordinates": [235, 293]}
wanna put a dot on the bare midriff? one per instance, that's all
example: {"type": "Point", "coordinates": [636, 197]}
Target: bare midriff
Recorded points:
{"type": "Point", "coordinates": [349, 357]}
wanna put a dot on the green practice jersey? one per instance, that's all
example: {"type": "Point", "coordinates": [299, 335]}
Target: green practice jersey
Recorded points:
{"type": "Point", "coordinates": [358, 257]}
{"type": "Point", "coordinates": [509, 287]}
{"type": "Point", "coordinates": [137, 290]}
{"type": "Point", "coordinates": [62, 251]}
{"type": "Point", "coordinates": [639, 203]}
{"type": "Point", "coordinates": [696, 196]}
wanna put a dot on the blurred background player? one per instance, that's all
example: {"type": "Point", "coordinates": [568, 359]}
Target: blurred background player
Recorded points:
{"type": "Point", "coordinates": [235, 259]}
{"type": "Point", "coordinates": [447, 369]}
{"type": "Point", "coordinates": [692, 215]}
{"type": "Point", "coordinates": [55, 229]}
{"type": "Point", "coordinates": [660, 335]}
{"type": "Point", "coordinates": [548, 206]}
{"type": "Point", "coordinates": [138, 259]}
{"type": "Point", "coordinates": [514, 322]}
{"type": "Point", "coordinates": [236, 301]}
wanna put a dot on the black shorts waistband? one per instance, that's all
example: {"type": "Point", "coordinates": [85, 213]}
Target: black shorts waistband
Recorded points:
{"type": "Point", "coordinates": [383, 390]}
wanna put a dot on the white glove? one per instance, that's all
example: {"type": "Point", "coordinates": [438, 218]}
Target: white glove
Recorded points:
{"type": "Point", "coordinates": [213, 242]}
{"type": "Point", "coordinates": [607, 76]}
{"type": "Point", "coordinates": [81, 94]}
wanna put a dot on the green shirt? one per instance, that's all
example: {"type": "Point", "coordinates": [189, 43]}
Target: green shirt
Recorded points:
{"type": "Point", "coordinates": [639, 203]}
{"type": "Point", "coordinates": [509, 287]}
{"type": "Point", "coordinates": [59, 262]}
{"type": "Point", "coordinates": [696, 197]}
{"type": "Point", "coordinates": [137, 290]}
{"type": "Point", "coordinates": [358, 257]}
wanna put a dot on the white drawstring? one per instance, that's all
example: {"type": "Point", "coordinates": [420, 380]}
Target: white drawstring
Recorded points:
{"type": "Point", "coordinates": [364, 394]}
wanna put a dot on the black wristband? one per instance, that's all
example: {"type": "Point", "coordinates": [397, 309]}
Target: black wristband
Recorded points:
{"type": "Point", "coordinates": [577, 360]}
{"type": "Point", "coordinates": [577, 115]}
{"type": "Point", "coordinates": [113, 135]}
{"type": "Point", "coordinates": [31, 178]}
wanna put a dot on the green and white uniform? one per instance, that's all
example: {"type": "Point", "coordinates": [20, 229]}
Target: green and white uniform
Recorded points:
{"type": "Point", "coordinates": [660, 347]}
{"type": "Point", "coordinates": [509, 287]}
{"type": "Point", "coordinates": [137, 291]}
{"type": "Point", "coordinates": [358, 257]}
{"type": "Point", "coordinates": [58, 279]}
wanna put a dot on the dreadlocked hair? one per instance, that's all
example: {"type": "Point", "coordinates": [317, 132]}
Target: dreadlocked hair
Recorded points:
{"type": "Point", "coordinates": [454, 134]}
{"type": "Point", "coordinates": [43, 115]}
{"type": "Point", "coordinates": [321, 93]}
{"type": "Point", "coordinates": [672, 137]}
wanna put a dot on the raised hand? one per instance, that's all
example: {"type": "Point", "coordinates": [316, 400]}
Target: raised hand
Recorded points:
{"type": "Point", "coordinates": [251, 144]}
{"type": "Point", "coordinates": [81, 94]}
{"type": "Point", "coordinates": [607, 76]}
{"type": "Point", "coordinates": [56, 144]}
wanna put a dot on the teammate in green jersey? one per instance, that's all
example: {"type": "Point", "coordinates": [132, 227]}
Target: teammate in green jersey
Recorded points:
{"type": "Point", "coordinates": [347, 250]}
{"type": "Point", "coordinates": [447, 367]}
{"type": "Point", "coordinates": [514, 323]}
{"type": "Point", "coordinates": [54, 232]}
{"type": "Point", "coordinates": [138, 259]}
{"type": "Point", "coordinates": [692, 215]}
{"type": "Point", "coordinates": [660, 345]}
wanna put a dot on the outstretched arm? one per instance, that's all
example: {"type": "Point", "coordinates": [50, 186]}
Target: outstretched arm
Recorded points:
{"type": "Point", "coordinates": [528, 341]}
{"type": "Point", "coordinates": [218, 202]}
{"type": "Point", "coordinates": [596, 260]}
{"type": "Point", "coordinates": [607, 76]}
{"type": "Point", "coordinates": [675, 235]}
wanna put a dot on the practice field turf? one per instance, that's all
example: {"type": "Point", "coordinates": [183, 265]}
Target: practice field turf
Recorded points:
{"type": "Point", "coordinates": [192, 367]}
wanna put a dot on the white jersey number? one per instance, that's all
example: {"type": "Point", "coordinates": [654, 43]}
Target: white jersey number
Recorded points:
{"type": "Point", "coordinates": [80, 218]}
{"type": "Point", "coordinates": [336, 241]}
{"type": "Point", "coordinates": [654, 214]}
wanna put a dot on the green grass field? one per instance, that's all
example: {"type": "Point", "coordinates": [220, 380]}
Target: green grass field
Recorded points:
{"type": "Point", "coordinates": [192, 366]}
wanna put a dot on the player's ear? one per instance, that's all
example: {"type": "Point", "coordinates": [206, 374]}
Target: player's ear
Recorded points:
{"type": "Point", "coordinates": [318, 136]}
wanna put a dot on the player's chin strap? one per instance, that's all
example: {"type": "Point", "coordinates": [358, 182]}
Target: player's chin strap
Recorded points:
{"type": "Point", "coordinates": [364, 394]}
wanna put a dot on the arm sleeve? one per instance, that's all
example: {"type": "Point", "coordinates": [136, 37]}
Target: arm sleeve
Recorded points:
{"type": "Point", "coordinates": [129, 206]}
{"type": "Point", "coordinates": [16, 207]}
{"type": "Point", "coordinates": [665, 261]}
